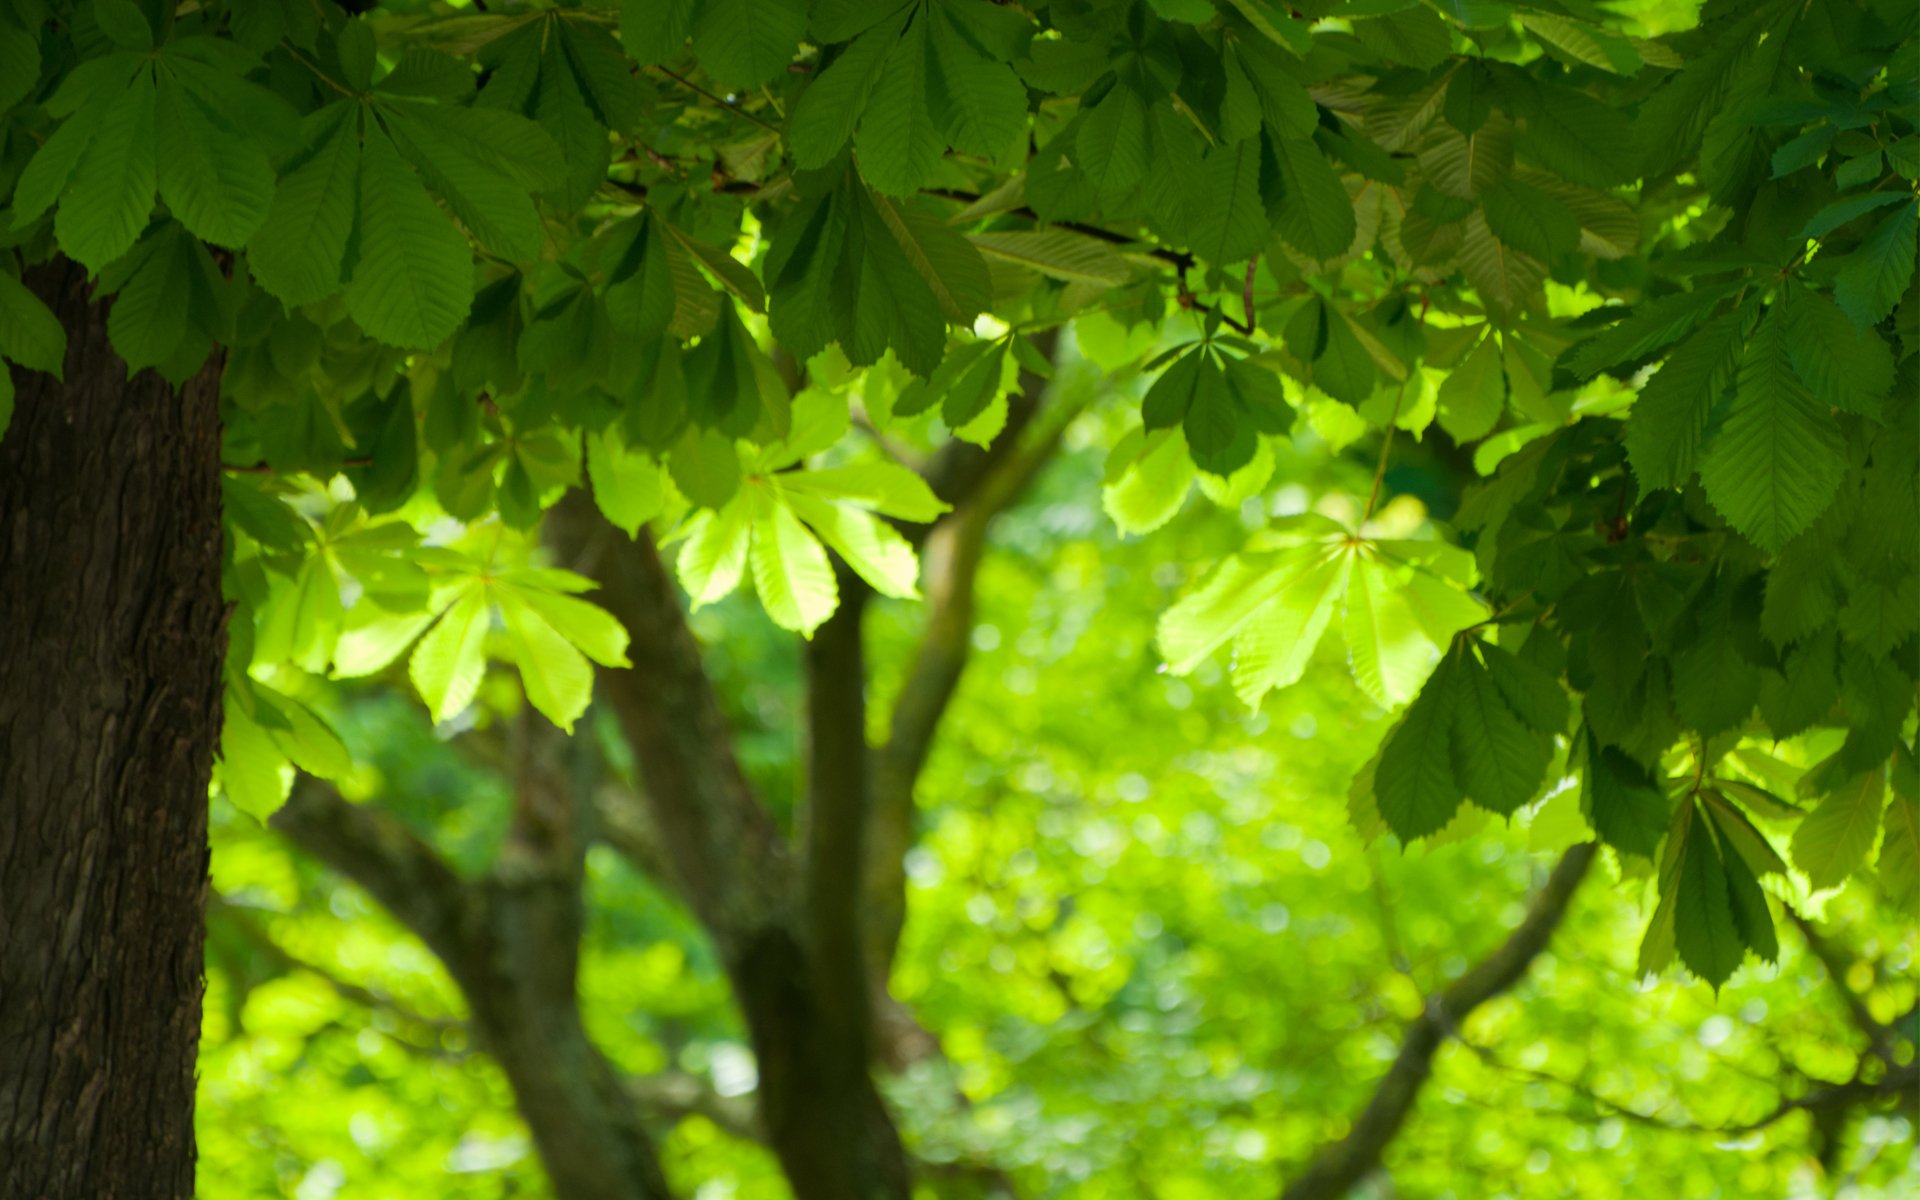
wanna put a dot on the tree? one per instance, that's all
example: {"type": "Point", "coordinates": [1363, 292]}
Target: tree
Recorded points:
{"type": "Point", "coordinates": [438, 259]}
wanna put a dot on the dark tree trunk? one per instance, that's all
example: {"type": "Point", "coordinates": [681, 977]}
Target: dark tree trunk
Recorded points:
{"type": "Point", "coordinates": [111, 640]}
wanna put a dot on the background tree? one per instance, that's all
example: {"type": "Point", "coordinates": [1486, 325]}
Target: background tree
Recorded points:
{"type": "Point", "coordinates": [438, 259]}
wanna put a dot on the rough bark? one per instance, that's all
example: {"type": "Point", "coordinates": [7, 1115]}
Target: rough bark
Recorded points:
{"type": "Point", "coordinates": [1341, 1165]}
{"type": "Point", "coordinates": [109, 716]}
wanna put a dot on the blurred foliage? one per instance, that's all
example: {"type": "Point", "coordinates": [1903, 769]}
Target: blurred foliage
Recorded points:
{"type": "Point", "coordinates": [1160, 960]}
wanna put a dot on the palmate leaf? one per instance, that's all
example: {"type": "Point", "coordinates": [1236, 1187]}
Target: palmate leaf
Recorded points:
{"type": "Point", "coordinates": [777, 522]}
{"type": "Point", "coordinates": [1776, 462]}
{"type": "Point", "coordinates": [1276, 602]}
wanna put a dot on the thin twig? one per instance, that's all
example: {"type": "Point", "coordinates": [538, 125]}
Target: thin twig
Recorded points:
{"type": "Point", "coordinates": [735, 109]}
{"type": "Point", "coordinates": [267, 468]}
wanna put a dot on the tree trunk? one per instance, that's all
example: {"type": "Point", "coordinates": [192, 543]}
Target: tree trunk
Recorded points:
{"type": "Point", "coordinates": [109, 714]}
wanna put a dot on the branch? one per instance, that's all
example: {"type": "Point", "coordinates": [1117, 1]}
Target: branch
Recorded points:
{"type": "Point", "coordinates": [834, 819]}
{"type": "Point", "coordinates": [1899, 1083]}
{"type": "Point", "coordinates": [242, 922]}
{"type": "Point", "coordinates": [1880, 1037]}
{"type": "Point", "coordinates": [1894, 1085]}
{"type": "Point", "coordinates": [1340, 1166]}
{"type": "Point", "coordinates": [726, 853]}
{"type": "Point", "coordinates": [394, 865]}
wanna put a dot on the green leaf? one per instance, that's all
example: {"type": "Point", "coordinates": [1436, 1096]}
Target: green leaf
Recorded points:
{"type": "Point", "coordinates": [1714, 688]}
{"type": "Point", "coordinates": [887, 488]}
{"type": "Point", "coordinates": [413, 283]}
{"type": "Point", "coordinates": [791, 573]}
{"type": "Point", "coordinates": [19, 63]}
{"type": "Point", "coordinates": [216, 181]}
{"type": "Point", "coordinates": [1390, 653]}
{"type": "Point", "coordinates": [654, 30]}
{"type": "Point", "coordinates": [945, 261]}
{"type": "Point", "coordinates": [628, 485]}
{"type": "Point", "coordinates": [1872, 278]}
{"type": "Point", "coordinates": [253, 770]}
{"type": "Point", "coordinates": [1531, 221]}
{"type": "Point", "coordinates": [1057, 254]}
{"type": "Point", "coordinates": [1474, 393]}
{"type": "Point", "coordinates": [1498, 761]}
{"type": "Point", "coordinates": [1504, 278]}
{"type": "Point", "coordinates": [1833, 841]}
{"type": "Point", "coordinates": [1842, 365]}
{"type": "Point", "coordinates": [1669, 417]}
{"type": "Point", "coordinates": [1148, 477]}
{"type": "Point", "coordinates": [1219, 440]}
{"type": "Point", "coordinates": [1171, 396]}
{"type": "Point", "coordinates": [555, 674]}
{"type": "Point", "coordinates": [494, 207]}
{"type": "Point", "coordinates": [1469, 165]}
{"type": "Point", "coordinates": [1623, 801]}
{"type": "Point", "coordinates": [1414, 780]}
{"type": "Point", "coordinates": [149, 320]}
{"type": "Point", "coordinates": [874, 549]}
{"type": "Point", "coordinates": [1316, 217]}
{"type": "Point", "coordinates": [1232, 222]}
{"type": "Point", "coordinates": [29, 332]}
{"type": "Point", "coordinates": [1111, 146]}
{"type": "Point", "coordinates": [1705, 932]}
{"type": "Point", "coordinates": [447, 664]}
{"type": "Point", "coordinates": [1274, 648]}
{"type": "Point", "coordinates": [824, 117]}
{"type": "Point", "coordinates": [299, 251]}
{"type": "Point", "coordinates": [979, 101]}
{"type": "Point", "coordinates": [898, 146]}
{"type": "Point", "coordinates": [1776, 462]}
{"type": "Point", "coordinates": [1879, 616]}
{"type": "Point", "coordinates": [107, 201]}
{"type": "Point", "coordinates": [748, 42]}
{"type": "Point", "coordinates": [1414, 37]}
{"type": "Point", "coordinates": [714, 557]}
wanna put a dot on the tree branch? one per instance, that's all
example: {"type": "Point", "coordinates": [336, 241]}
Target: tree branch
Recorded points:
{"type": "Point", "coordinates": [221, 912]}
{"type": "Point", "coordinates": [395, 866]}
{"type": "Point", "coordinates": [726, 853]}
{"type": "Point", "coordinates": [834, 820]}
{"type": "Point", "coordinates": [1881, 1038]}
{"type": "Point", "coordinates": [1338, 1167]}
